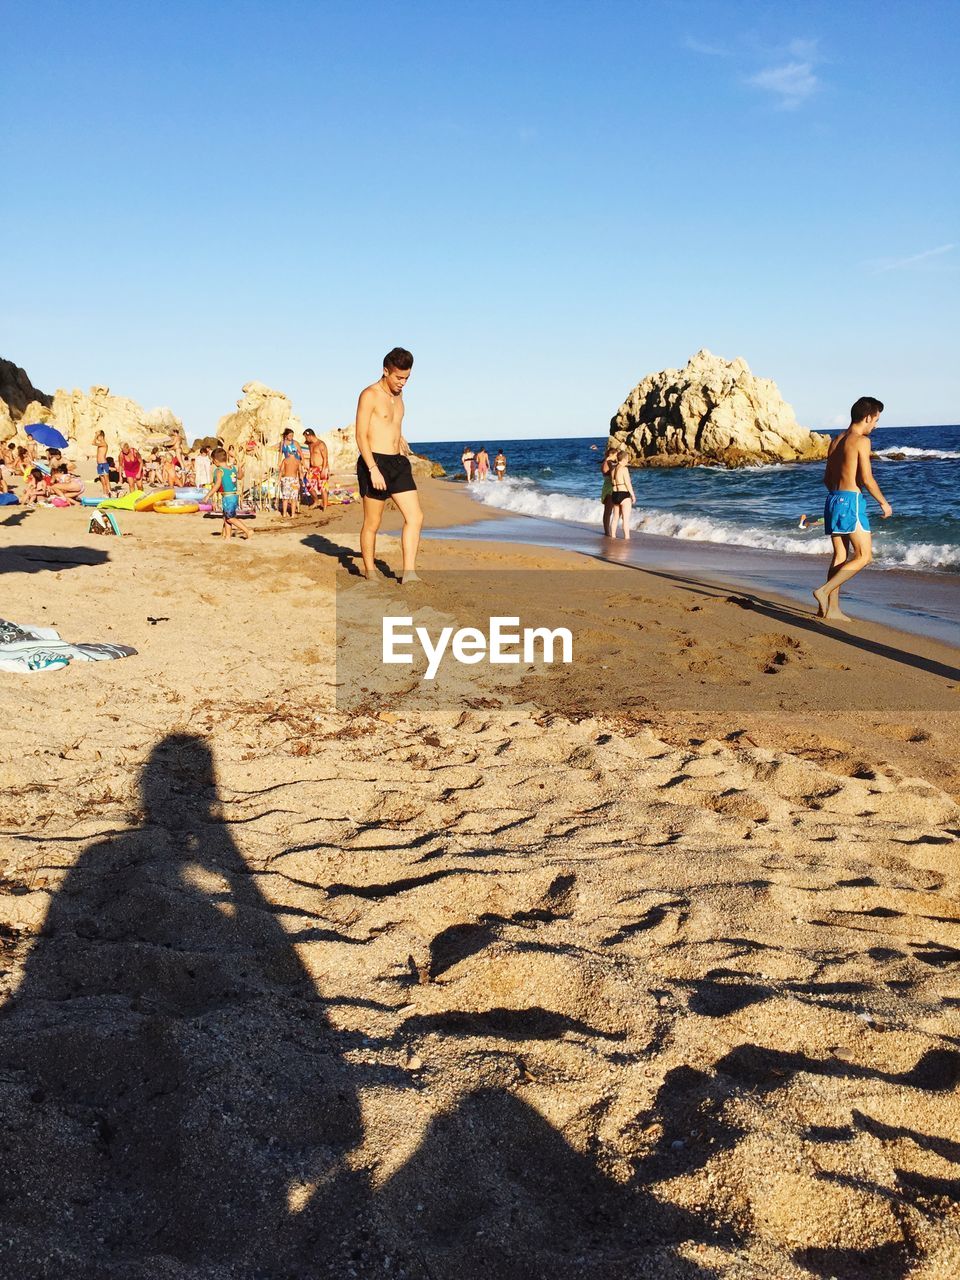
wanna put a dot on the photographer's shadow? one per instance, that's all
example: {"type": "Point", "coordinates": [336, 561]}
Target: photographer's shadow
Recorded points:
{"type": "Point", "coordinates": [172, 1084]}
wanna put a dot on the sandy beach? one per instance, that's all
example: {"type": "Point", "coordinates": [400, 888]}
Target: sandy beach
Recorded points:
{"type": "Point", "coordinates": [645, 967]}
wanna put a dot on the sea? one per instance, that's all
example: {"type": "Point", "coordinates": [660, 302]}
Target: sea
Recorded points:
{"type": "Point", "coordinates": [918, 469]}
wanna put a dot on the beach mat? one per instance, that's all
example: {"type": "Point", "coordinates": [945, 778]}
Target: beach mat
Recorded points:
{"type": "Point", "coordinates": [32, 648]}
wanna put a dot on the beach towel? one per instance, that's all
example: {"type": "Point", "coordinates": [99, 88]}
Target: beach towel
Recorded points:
{"type": "Point", "coordinates": [9, 500]}
{"type": "Point", "coordinates": [30, 648]}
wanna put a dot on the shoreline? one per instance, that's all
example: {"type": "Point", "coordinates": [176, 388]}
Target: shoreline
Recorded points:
{"type": "Point", "coordinates": [914, 602]}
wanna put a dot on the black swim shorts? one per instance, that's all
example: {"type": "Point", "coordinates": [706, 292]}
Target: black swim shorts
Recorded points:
{"type": "Point", "coordinates": [395, 469]}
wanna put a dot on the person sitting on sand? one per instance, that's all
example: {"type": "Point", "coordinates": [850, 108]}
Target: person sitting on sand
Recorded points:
{"type": "Point", "coordinates": [291, 465]}
{"type": "Point", "coordinates": [35, 489]}
{"type": "Point", "coordinates": [65, 486]}
{"type": "Point", "coordinates": [845, 518]}
{"type": "Point", "coordinates": [318, 468]}
{"type": "Point", "coordinates": [500, 464]}
{"type": "Point", "coordinates": [226, 482]}
{"type": "Point", "coordinates": [383, 467]}
{"type": "Point", "coordinates": [622, 497]}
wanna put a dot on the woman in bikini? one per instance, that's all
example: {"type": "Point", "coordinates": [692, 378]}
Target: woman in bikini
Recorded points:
{"type": "Point", "coordinates": [622, 496]}
{"type": "Point", "coordinates": [467, 458]}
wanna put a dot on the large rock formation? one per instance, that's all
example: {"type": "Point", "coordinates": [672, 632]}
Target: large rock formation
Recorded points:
{"type": "Point", "coordinates": [261, 415]}
{"type": "Point", "coordinates": [79, 416]}
{"type": "Point", "coordinates": [16, 393]}
{"type": "Point", "coordinates": [713, 411]}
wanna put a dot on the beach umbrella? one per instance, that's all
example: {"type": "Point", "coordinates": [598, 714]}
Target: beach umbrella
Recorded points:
{"type": "Point", "coordinates": [49, 437]}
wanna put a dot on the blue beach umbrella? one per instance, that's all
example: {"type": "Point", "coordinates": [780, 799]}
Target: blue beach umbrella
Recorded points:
{"type": "Point", "coordinates": [49, 437]}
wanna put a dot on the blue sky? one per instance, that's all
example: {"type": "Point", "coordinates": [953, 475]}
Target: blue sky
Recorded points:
{"type": "Point", "coordinates": [543, 201]}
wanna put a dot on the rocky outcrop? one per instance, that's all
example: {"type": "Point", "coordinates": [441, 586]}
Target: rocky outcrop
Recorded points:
{"type": "Point", "coordinates": [714, 411]}
{"type": "Point", "coordinates": [262, 415]}
{"type": "Point", "coordinates": [80, 415]}
{"type": "Point", "coordinates": [17, 392]}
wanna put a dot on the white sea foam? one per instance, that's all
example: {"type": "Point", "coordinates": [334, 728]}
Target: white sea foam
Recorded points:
{"type": "Point", "coordinates": [909, 453]}
{"type": "Point", "coordinates": [525, 498]}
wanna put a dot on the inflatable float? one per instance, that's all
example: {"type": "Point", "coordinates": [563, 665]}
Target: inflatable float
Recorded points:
{"type": "Point", "coordinates": [149, 501]}
{"type": "Point", "coordinates": [176, 508]}
{"type": "Point", "coordinates": [91, 499]}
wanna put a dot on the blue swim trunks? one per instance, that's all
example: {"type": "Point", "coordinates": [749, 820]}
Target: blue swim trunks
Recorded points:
{"type": "Point", "coordinates": [231, 502]}
{"type": "Point", "coordinates": [845, 512]}
{"type": "Point", "coordinates": [103, 468]}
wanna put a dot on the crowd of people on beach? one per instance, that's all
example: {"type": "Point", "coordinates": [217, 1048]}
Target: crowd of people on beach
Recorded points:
{"type": "Point", "coordinates": [35, 476]}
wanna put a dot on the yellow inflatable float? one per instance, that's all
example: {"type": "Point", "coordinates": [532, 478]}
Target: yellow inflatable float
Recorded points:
{"type": "Point", "coordinates": [150, 501]}
{"type": "Point", "coordinates": [176, 508]}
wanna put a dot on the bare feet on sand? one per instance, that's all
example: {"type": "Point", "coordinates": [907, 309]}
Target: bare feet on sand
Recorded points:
{"type": "Point", "coordinates": [827, 610]}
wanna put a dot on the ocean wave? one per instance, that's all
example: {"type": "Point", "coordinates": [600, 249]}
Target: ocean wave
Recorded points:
{"type": "Point", "coordinates": [909, 452]}
{"type": "Point", "coordinates": [523, 498]}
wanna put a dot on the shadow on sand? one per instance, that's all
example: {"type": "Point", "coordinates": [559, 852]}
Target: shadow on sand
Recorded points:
{"type": "Point", "coordinates": [26, 559]}
{"type": "Point", "coordinates": [176, 1101]}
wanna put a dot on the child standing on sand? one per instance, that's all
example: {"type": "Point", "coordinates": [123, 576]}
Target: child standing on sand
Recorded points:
{"type": "Point", "coordinates": [103, 467]}
{"type": "Point", "coordinates": [225, 482]}
{"type": "Point", "coordinates": [291, 464]}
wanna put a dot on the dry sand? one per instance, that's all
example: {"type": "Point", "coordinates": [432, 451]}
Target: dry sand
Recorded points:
{"type": "Point", "coordinates": [647, 968]}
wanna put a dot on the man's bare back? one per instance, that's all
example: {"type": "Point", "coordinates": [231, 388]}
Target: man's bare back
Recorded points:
{"type": "Point", "coordinates": [844, 457]}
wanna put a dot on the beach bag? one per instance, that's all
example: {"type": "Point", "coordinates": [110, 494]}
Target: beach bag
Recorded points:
{"type": "Point", "coordinates": [104, 522]}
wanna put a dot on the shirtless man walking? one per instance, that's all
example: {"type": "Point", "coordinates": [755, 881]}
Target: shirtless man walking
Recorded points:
{"type": "Point", "coordinates": [318, 467]}
{"type": "Point", "coordinates": [845, 518]}
{"type": "Point", "coordinates": [383, 468]}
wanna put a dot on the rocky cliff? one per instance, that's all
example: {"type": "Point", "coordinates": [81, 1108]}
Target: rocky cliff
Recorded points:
{"type": "Point", "coordinates": [16, 393]}
{"type": "Point", "coordinates": [714, 411]}
{"type": "Point", "coordinates": [79, 415]}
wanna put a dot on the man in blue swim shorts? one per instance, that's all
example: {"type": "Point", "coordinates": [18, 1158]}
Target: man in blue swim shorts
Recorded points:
{"type": "Point", "coordinates": [845, 517]}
